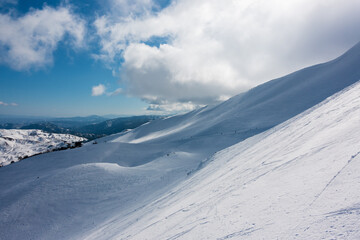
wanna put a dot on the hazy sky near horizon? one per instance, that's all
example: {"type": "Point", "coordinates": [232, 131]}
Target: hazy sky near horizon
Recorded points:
{"type": "Point", "coordinates": [67, 57]}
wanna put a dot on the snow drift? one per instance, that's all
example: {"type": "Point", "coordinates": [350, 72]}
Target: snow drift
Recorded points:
{"type": "Point", "coordinates": [299, 180]}
{"type": "Point", "coordinates": [260, 108]}
{"type": "Point", "coordinates": [162, 180]}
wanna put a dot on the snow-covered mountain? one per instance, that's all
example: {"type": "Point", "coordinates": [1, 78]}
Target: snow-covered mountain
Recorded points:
{"type": "Point", "coordinates": [183, 177]}
{"type": "Point", "coordinates": [299, 180]}
{"type": "Point", "coordinates": [18, 144]}
{"type": "Point", "coordinates": [257, 110]}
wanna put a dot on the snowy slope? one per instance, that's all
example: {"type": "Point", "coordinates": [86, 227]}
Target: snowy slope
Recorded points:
{"type": "Point", "coordinates": [131, 180]}
{"type": "Point", "coordinates": [256, 110]}
{"type": "Point", "coordinates": [299, 180]}
{"type": "Point", "coordinates": [60, 195]}
{"type": "Point", "coordinates": [17, 144]}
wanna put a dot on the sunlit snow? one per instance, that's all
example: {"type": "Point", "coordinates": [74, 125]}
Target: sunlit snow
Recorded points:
{"type": "Point", "coordinates": [280, 161]}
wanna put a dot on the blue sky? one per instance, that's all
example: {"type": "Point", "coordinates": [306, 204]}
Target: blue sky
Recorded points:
{"type": "Point", "coordinates": [158, 56]}
{"type": "Point", "coordinates": [63, 88]}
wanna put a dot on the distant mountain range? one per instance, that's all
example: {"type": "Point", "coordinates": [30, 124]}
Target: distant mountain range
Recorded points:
{"type": "Point", "coordinates": [21, 120]}
{"type": "Point", "coordinates": [281, 161]}
{"type": "Point", "coordinates": [90, 127]}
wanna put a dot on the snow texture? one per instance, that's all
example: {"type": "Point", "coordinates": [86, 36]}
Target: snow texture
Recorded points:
{"type": "Point", "coordinates": [299, 180]}
{"type": "Point", "coordinates": [183, 177]}
{"type": "Point", "coordinates": [18, 144]}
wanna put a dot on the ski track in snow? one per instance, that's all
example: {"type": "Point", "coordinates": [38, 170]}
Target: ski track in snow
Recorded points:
{"type": "Point", "coordinates": [194, 176]}
{"type": "Point", "coordinates": [276, 192]}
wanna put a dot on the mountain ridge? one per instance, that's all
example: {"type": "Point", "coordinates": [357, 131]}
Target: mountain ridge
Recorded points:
{"type": "Point", "coordinates": [129, 182]}
{"type": "Point", "coordinates": [268, 104]}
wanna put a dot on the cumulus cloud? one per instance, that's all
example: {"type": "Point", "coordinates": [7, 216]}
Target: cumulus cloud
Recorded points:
{"type": "Point", "coordinates": [8, 104]}
{"type": "Point", "coordinates": [216, 49]}
{"type": "Point", "coordinates": [29, 41]}
{"type": "Point", "coordinates": [98, 90]}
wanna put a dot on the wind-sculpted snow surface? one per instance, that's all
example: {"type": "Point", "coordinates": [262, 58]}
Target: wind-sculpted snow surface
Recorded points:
{"type": "Point", "coordinates": [299, 180]}
{"type": "Point", "coordinates": [163, 181]}
{"type": "Point", "coordinates": [259, 109]}
{"type": "Point", "coordinates": [61, 195]}
{"type": "Point", "coordinates": [17, 144]}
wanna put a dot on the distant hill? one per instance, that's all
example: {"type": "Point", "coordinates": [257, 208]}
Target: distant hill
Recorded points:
{"type": "Point", "coordinates": [47, 127]}
{"type": "Point", "coordinates": [89, 127]}
{"type": "Point", "coordinates": [74, 122]}
{"type": "Point", "coordinates": [204, 175]}
{"type": "Point", "coordinates": [113, 126]}
{"type": "Point", "coordinates": [21, 121]}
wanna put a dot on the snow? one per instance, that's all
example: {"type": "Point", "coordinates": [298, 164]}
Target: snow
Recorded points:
{"type": "Point", "coordinates": [159, 134]}
{"type": "Point", "coordinates": [17, 144]}
{"type": "Point", "coordinates": [299, 180]}
{"type": "Point", "coordinates": [220, 172]}
{"type": "Point", "coordinates": [257, 110]}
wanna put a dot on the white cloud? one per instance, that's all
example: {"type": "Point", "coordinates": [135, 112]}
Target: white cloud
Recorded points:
{"type": "Point", "coordinates": [8, 104]}
{"type": "Point", "coordinates": [220, 48]}
{"type": "Point", "coordinates": [115, 92]}
{"type": "Point", "coordinates": [166, 107]}
{"type": "Point", "coordinates": [101, 90]}
{"type": "Point", "coordinates": [98, 90]}
{"type": "Point", "coordinates": [131, 8]}
{"type": "Point", "coordinates": [29, 41]}
{"type": "Point", "coordinates": [4, 2]}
